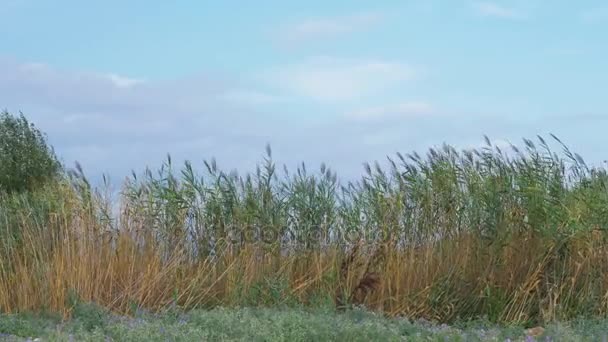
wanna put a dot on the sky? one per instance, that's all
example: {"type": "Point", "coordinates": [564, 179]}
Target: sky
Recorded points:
{"type": "Point", "coordinates": [117, 85]}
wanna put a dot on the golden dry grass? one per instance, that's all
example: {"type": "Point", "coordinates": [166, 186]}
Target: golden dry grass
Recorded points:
{"type": "Point", "coordinates": [455, 278]}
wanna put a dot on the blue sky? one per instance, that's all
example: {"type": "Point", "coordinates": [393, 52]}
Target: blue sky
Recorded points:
{"type": "Point", "coordinates": [118, 84]}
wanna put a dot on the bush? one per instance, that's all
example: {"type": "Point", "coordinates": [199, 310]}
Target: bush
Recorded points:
{"type": "Point", "coordinates": [26, 160]}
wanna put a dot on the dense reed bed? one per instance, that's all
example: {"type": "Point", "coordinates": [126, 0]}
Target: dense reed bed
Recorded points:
{"type": "Point", "coordinates": [514, 236]}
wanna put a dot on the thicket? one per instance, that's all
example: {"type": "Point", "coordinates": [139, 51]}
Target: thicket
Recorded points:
{"type": "Point", "coordinates": [514, 236]}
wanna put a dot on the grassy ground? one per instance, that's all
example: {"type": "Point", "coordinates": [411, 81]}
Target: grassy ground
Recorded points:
{"type": "Point", "coordinates": [90, 323]}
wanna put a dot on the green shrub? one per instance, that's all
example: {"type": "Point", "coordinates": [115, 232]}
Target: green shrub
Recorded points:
{"type": "Point", "coordinates": [26, 160]}
{"type": "Point", "coordinates": [88, 316]}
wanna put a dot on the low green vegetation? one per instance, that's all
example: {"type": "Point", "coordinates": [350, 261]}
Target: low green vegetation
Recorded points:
{"type": "Point", "coordinates": [259, 324]}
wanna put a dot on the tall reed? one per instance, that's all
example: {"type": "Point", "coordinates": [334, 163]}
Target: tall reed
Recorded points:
{"type": "Point", "coordinates": [517, 236]}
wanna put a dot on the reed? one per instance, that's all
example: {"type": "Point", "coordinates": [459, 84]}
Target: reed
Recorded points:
{"type": "Point", "coordinates": [515, 236]}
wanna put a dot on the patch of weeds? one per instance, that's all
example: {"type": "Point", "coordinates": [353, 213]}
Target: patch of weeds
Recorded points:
{"type": "Point", "coordinates": [279, 324]}
{"type": "Point", "coordinates": [88, 316]}
{"type": "Point", "coordinates": [495, 303]}
{"type": "Point", "coordinates": [320, 299]}
{"type": "Point", "coordinates": [484, 328]}
{"type": "Point", "coordinates": [594, 329]}
{"type": "Point", "coordinates": [511, 332]}
{"type": "Point", "coordinates": [271, 291]}
{"type": "Point", "coordinates": [25, 325]}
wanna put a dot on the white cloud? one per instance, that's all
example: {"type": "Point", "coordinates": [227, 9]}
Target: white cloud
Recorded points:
{"type": "Point", "coordinates": [328, 79]}
{"type": "Point", "coordinates": [398, 111]}
{"type": "Point", "coordinates": [492, 9]}
{"type": "Point", "coordinates": [322, 28]}
{"type": "Point", "coordinates": [127, 123]}
{"type": "Point", "coordinates": [113, 128]}
{"type": "Point", "coordinates": [123, 82]}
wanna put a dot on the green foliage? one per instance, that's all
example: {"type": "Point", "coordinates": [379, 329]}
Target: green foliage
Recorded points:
{"type": "Point", "coordinates": [271, 291]}
{"type": "Point", "coordinates": [284, 325]}
{"type": "Point", "coordinates": [26, 160]}
{"type": "Point", "coordinates": [489, 192]}
{"type": "Point", "coordinates": [89, 316]}
{"type": "Point", "coordinates": [25, 325]}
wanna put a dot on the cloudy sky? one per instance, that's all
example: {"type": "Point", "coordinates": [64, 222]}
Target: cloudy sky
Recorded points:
{"type": "Point", "coordinates": [119, 84]}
